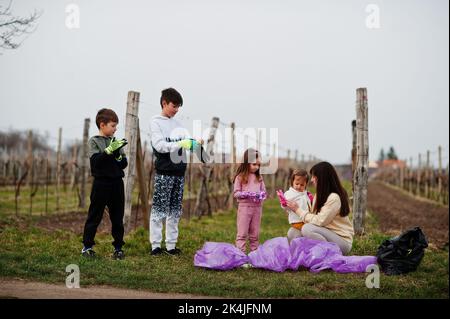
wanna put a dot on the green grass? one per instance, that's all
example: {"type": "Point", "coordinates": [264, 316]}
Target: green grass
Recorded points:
{"type": "Point", "coordinates": [68, 201]}
{"type": "Point", "coordinates": [36, 254]}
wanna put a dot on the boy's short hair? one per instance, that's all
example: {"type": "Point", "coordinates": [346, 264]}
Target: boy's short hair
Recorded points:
{"type": "Point", "coordinates": [299, 173]}
{"type": "Point", "coordinates": [171, 95]}
{"type": "Point", "coordinates": [106, 116]}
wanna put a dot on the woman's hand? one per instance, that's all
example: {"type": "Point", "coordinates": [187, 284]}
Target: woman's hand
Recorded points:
{"type": "Point", "coordinates": [292, 205]}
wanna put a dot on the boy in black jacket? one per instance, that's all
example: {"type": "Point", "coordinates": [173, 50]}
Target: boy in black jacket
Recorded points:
{"type": "Point", "coordinates": [107, 159]}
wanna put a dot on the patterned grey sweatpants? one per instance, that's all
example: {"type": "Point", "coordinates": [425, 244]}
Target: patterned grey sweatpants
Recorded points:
{"type": "Point", "coordinates": [167, 197]}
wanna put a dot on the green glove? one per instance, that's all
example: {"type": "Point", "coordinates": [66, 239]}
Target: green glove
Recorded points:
{"type": "Point", "coordinates": [188, 144]}
{"type": "Point", "coordinates": [115, 145]}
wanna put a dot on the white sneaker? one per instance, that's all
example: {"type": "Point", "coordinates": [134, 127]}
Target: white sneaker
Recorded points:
{"type": "Point", "coordinates": [247, 265]}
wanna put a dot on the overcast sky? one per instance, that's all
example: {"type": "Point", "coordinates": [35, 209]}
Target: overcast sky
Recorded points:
{"type": "Point", "coordinates": [291, 65]}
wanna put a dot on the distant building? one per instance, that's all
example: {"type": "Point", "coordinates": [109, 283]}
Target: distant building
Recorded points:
{"type": "Point", "coordinates": [392, 163]}
{"type": "Point", "coordinates": [373, 164]}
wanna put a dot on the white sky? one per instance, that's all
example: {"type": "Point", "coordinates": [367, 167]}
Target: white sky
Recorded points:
{"type": "Point", "coordinates": [291, 65]}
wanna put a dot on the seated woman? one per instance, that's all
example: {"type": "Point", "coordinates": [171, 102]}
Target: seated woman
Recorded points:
{"type": "Point", "coordinates": [328, 220]}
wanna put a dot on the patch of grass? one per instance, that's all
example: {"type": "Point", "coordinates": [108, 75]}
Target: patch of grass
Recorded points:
{"type": "Point", "coordinates": [40, 255]}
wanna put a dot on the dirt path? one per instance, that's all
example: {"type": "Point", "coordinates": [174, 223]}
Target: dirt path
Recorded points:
{"type": "Point", "coordinates": [398, 211]}
{"type": "Point", "coordinates": [17, 288]}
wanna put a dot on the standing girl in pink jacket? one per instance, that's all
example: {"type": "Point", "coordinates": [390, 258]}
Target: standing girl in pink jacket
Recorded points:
{"type": "Point", "coordinates": [250, 192]}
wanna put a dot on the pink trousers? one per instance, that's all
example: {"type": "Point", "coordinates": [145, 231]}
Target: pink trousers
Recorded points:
{"type": "Point", "coordinates": [248, 223]}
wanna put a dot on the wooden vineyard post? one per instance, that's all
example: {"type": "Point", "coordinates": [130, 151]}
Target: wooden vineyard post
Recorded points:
{"type": "Point", "coordinates": [353, 154]}
{"type": "Point", "coordinates": [30, 158]}
{"type": "Point", "coordinates": [140, 168]}
{"type": "Point", "coordinates": [232, 165]}
{"type": "Point", "coordinates": [58, 168]}
{"type": "Point", "coordinates": [362, 155]}
{"type": "Point", "coordinates": [202, 197]}
{"type": "Point", "coordinates": [34, 185]}
{"type": "Point", "coordinates": [47, 177]}
{"type": "Point", "coordinates": [411, 176]}
{"type": "Point", "coordinates": [84, 163]}
{"type": "Point", "coordinates": [131, 130]}
{"type": "Point", "coordinates": [74, 165]}
{"type": "Point", "coordinates": [419, 171]}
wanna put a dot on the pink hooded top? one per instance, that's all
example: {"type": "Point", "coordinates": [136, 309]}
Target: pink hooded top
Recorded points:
{"type": "Point", "coordinates": [251, 194]}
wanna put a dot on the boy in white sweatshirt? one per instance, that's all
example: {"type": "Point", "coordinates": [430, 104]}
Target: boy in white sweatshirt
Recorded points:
{"type": "Point", "coordinates": [298, 193]}
{"type": "Point", "coordinates": [170, 142]}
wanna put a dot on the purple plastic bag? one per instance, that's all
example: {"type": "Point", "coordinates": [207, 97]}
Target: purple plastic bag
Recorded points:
{"type": "Point", "coordinates": [320, 255]}
{"type": "Point", "coordinates": [346, 264]}
{"type": "Point", "coordinates": [277, 255]}
{"type": "Point", "coordinates": [219, 256]}
{"type": "Point", "coordinates": [310, 252]}
{"type": "Point", "coordinates": [274, 255]}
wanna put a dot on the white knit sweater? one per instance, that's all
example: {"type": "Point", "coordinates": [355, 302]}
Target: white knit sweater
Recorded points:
{"type": "Point", "coordinates": [302, 199]}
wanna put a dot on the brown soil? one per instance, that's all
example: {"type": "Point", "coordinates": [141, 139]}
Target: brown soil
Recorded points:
{"type": "Point", "coordinates": [22, 289]}
{"type": "Point", "coordinates": [74, 221]}
{"type": "Point", "coordinates": [398, 211]}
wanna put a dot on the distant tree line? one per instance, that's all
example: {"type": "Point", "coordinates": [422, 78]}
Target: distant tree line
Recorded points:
{"type": "Point", "coordinates": [391, 155]}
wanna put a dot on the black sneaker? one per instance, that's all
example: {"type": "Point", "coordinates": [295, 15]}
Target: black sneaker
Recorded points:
{"type": "Point", "coordinates": [118, 254]}
{"type": "Point", "coordinates": [88, 253]}
{"type": "Point", "coordinates": [156, 251]}
{"type": "Point", "coordinates": [173, 252]}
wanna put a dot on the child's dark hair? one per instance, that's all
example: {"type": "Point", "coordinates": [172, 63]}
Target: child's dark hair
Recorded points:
{"type": "Point", "coordinates": [299, 173]}
{"type": "Point", "coordinates": [250, 156]}
{"type": "Point", "coordinates": [106, 116]}
{"type": "Point", "coordinates": [328, 182]}
{"type": "Point", "coordinates": [171, 95]}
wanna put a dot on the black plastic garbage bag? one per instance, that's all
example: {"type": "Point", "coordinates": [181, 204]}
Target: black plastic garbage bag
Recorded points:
{"type": "Point", "coordinates": [403, 253]}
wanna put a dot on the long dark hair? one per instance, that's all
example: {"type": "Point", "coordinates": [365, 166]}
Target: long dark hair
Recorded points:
{"type": "Point", "coordinates": [328, 182]}
{"type": "Point", "coordinates": [244, 168]}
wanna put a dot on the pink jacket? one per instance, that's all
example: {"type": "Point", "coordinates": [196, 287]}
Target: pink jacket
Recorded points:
{"type": "Point", "coordinates": [251, 194]}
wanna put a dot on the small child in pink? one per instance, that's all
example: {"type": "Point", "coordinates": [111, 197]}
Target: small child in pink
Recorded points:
{"type": "Point", "coordinates": [250, 192]}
